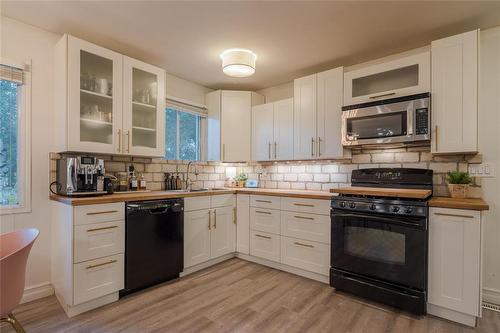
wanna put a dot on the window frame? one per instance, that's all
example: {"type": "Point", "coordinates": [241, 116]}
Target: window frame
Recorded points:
{"type": "Point", "coordinates": [24, 141]}
{"type": "Point", "coordinates": [201, 130]}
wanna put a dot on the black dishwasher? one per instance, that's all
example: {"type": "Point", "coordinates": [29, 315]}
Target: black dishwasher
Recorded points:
{"type": "Point", "coordinates": [154, 243]}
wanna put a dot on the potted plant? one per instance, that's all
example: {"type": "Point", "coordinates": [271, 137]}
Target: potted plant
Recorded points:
{"type": "Point", "coordinates": [458, 183]}
{"type": "Point", "coordinates": [241, 179]}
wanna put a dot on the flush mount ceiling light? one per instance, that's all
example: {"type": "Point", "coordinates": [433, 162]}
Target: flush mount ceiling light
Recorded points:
{"type": "Point", "coordinates": [238, 62]}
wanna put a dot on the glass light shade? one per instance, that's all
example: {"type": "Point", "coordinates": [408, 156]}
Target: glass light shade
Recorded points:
{"type": "Point", "coordinates": [238, 62]}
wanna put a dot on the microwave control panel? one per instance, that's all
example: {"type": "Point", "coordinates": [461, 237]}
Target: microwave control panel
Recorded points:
{"type": "Point", "coordinates": [422, 121]}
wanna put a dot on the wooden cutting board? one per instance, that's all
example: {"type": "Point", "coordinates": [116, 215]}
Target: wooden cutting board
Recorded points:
{"type": "Point", "coordinates": [384, 192]}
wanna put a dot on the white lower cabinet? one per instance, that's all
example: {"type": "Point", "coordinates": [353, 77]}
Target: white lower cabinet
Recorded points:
{"type": "Point", "coordinates": [454, 264]}
{"type": "Point", "coordinates": [310, 256]}
{"type": "Point", "coordinates": [243, 223]}
{"type": "Point", "coordinates": [266, 220]}
{"type": "Point", "coordinates": [98, 277]}
{"type": "Point", "coordinates": [98, 240]}
{"type": "Point", "coordinates": [265, 245]}
{"type": "Point", "coordinates": [208, 233]}
{"type": "Point", "coordinates": [312, 227]}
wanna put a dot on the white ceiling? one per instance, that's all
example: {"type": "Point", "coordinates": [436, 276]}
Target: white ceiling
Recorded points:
{"type": "Point", "coordinates": [291, 39]}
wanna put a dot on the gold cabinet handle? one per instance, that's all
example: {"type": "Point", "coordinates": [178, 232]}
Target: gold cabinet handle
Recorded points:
{"type": "Point", "coordinates": [303, 205]}
{"type": "Point", "coordinates": [302, 244]}
{"type": "Point", "coordinates": [455, 215]}
{"type": "Point", "coordinates": [215, 218]}
{"type": "Point", "coordinates": [383, 95]}
{"type": "Point", "coordinates": [128, 141]}
{"type": "Point", "coordinates": [234, 215]}
{"type": "Point", "coordinates": [103, 212]}
{"type": "Point", "coordinates": [263, 212]}
{"type": "Point", "coordinates": [319, 146]}
{"type": "Point", "coordinates": [275, 150]}
{"type": "Point", "coordinates": [103, 228]}
{"type": "Point", "coordinates": [101, 264]}
{"type": "Point", "coordinates": [436, 135]}
{"type": "Point", "coordinates": [303, 217]}
{"type": "Point", "coordinates": [209, 220]}
{"type": "Point", "coordinates": [312, 147]}
{"type": "Point", "coordinates": [262, 236]}
{"type": "Point", "coordinates": [269, 150]}
{"type": "Point", "coordinates": [119, 140]}
{"type": "Point", "coordinates": [266, 201]}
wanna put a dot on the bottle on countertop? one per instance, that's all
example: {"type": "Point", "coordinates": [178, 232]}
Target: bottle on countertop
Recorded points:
{"type": "Point", "coordinates": [142, 183]}
{"type": "Point", "coordinates": [168, 185]}
{"type": "Point", "coordinates": [133, 179]}
{"type": "Point", "coordinates": [178, 182]}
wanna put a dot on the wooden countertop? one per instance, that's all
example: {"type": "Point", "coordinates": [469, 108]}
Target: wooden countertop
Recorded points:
{"type": "Point", "coordinates": [155, 195]}
{"type": "Point", "coordinates": [467, 203]}
{"type": "Point", "coordinates": [386, 192]}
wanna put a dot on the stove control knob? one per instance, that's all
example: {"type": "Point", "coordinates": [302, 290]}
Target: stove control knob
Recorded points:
{"type": "Point", "coordinates": [373, 207]}
{"type": "Point", "coordinates": [342, 204]}
{"type": "Point", "coordinates": [352, 205]}
{"type": "Point", "coordinates": [395, 209]}
{"type": "Point", "coordinates": [408, 210]}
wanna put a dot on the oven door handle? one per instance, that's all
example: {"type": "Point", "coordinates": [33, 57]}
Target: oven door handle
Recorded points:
{"type": "Point", "coordinates": [379, 219]}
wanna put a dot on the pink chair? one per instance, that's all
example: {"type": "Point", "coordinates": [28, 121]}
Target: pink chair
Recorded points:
{"type": "Point", "coordinates": [14, 250]}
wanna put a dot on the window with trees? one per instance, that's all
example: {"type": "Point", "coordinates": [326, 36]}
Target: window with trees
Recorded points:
{"type": "Point", "coordinates": [182, 135]}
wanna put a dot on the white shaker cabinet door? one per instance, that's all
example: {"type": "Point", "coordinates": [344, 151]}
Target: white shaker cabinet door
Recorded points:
{"type": "Point", "coordinates": [262, 132]}
{"type": "Point", "coordinates": [243, 223]}
{"type": "Point", "coordinates": [283, 130]}
{"type": "Point", "coordinates": [197, 226]}
{"type": "Point", "coordinates": [454, 93]}
{"type": "Point", "coordinates": [223, 233]}
{"type": "Point", "coordinates": [455, 259]}
{"type": "Point", "coordinates": [236, 117]}
{"type": "Point", "coordinates": [305, 117]}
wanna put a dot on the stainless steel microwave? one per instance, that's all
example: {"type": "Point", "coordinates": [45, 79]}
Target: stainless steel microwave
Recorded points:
{"type": "Point", "coordinates": [398, 120]}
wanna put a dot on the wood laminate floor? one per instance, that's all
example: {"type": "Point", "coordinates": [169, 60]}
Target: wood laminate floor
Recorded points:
{"type": "Point", "coordinates": [238, 296]}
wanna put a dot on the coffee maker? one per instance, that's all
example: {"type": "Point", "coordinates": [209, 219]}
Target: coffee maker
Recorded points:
{"type": "Point", "coordinates": [80, 175]}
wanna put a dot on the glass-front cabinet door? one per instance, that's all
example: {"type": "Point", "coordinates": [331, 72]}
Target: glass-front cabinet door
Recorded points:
{"type": "Point", "coordinates": [94, 98]}
{"type": "Point", "coordinates": [143, 109]}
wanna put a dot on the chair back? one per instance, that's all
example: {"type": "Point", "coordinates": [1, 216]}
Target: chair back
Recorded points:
{"type": "Point", "coordinates": [14, 250]}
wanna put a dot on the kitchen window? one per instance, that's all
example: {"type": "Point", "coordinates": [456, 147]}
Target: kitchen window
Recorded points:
{"type": "Point", "coordinates": [14, 139]}
{"type": "Point", "coordinates": [183, 132]}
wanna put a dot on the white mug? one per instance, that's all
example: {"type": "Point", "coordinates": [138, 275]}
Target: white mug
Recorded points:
{"type": "Point", "coordinates": [103, 87]}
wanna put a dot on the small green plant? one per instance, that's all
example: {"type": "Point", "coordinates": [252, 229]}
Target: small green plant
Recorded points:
{"type": "Point", "coordinates": [241, 177]}
{"type": "Point", "coordinates": [458, 177]}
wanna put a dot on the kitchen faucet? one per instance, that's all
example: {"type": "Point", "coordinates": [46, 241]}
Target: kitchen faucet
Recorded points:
{"type": "Point", "coordinates": [188, 180]}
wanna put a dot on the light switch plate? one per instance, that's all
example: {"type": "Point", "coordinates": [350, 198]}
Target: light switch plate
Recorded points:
{"type": "Point", "coordinates": [482, 170]}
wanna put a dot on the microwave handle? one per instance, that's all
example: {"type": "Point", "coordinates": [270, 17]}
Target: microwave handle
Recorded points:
{"type": "Point", "coordinates": [409, 120]}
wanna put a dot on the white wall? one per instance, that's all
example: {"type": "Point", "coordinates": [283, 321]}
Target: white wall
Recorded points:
{"type": "Point", "coordinates": [276, 93]}
{"type": "Point", "coordinates": [20, 43]}
{"type": "Point", "coordinates": [489, 146]}
{"type": "Point", "coordinates": [186, 90]}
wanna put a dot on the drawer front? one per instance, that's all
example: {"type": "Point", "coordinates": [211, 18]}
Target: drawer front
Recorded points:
{"type": "Point", "coordinates": [223, 200]}
{"type": "Point", "coordinates": [98, 240]}
{"type": "Point", "coordinates": [312, 227]}
{"type": "Point", "coordinates": [99, 213]}
{"type": "Point", "coordinates": [96, 278]}
{"type": "Point", "coordinates": [314, 206]}
{"type": "Point", "coordinates": [265, 245]}
{"type": "Point", "coordinates": [307, 255]}
{"type": "Point", "coordinates": [266, 220]}
{"type": "Point", "coordinates": [265, 201]}
{"type": "Point", "coordinates": [196, 203]}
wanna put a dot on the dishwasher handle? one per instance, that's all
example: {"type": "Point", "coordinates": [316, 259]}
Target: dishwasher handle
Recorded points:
{"type": "Point", "coordinates": [155, 207]}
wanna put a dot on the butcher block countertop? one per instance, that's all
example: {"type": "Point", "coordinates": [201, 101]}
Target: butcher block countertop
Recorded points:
{"type": "Point", "coordinates": [155, 195]}
{"type": "Point", "coordinates": [385, 192]}
{"type": "Point", "coordinates": [467, 203]}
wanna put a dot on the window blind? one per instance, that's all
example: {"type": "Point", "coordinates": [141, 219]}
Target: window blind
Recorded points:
{"type": "Point", "coordinates": [12, 74]}
{"type": "Point", "coordinates": [186, 107]}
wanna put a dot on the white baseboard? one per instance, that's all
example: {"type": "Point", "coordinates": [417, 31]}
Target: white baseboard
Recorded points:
{"type": "Point", "coordinates": [491, 295]}
{"type": "Point", "coordinates": [37, 291]}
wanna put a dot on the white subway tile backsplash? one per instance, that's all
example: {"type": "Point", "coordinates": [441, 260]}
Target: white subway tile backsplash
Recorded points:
{"type": "Point", "coordinates": [339, 177]}
{"type": "Point", "coordinates": [290, 177]}
{"type": "Point", "coordinates": [330, 168]}
{"type": "Point", "coordinates": [347, 167]}
{"type": "Point", "coordinates": [283, 169]}
{"type": "Point", "coordinates": [277, 177]}
{"type": "Point", "coordinates": [298, 186]}
{"type": "Point", "coordinates": [442, 167]}
{"type": "Point", "coordinates": [313, 186]}
{"type": "Point", "coordinates": [298, 168]}
{"type": "Point", "coordinates": [322, 177]}
{"type": "Point", "coordinates": [305, 177]}
{"type": "Point", "coordinates": [407, 157]}
{"type": "Point", "coordinates": [313, 168]}
{"type": "Point", "coordinates": [383, 158]}
{"type": "Point", "coordinates": [284, 185]}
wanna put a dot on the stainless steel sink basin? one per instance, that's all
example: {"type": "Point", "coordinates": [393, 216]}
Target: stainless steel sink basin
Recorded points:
{"type": "Point", "coordinates": [207, 189]}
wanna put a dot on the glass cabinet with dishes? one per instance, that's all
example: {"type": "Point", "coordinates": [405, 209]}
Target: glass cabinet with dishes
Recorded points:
{"type": "Point", "coordinates": [106, 102]}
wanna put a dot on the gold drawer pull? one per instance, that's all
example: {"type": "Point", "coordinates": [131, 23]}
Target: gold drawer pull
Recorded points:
{"type": "Point", "coordinates": [304, 218]}
{"type": "Point", "coordinates": [303, 205]}
{"type": "Point", "coordinates": [104, 212]}
{"type": "Point", "coordinates": [262, 212]}
{"type": "Point", "coordinates": [103, 228]}
{"type": "Point", "coordinates": [266, 201]}
{"type": "Point", "coordinates": [101, 264]}
{"type": "Point", "coordinates": [455, 215]}
{"type": "Point", "coordinates": [262, 236]}
{"type": "Point", "coordinates": [302, 244]}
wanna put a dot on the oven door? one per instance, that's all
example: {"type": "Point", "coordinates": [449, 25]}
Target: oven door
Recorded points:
{"type": "Point", "coordinates": [378, 124]}
{"type": "Point", "coordinates": [388, 248]}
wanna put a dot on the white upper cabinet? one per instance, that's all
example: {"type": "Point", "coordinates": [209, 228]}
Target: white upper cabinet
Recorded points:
{"type": "Point", "coordinates": [229, 124]}
{"type": "Point", "coordinates": [318, 115]}
{"type": "Point", "coordinates": [455, 93]}
{"type": "Point", "coordinates": [144, 108]}
{"type": "Point", "coordinates": [400, 77]}
{"type": "Point", "coordinates": [262, 132]}
{"type": "Point", "coordinates": [96, 106]}
{"type": "Point", "coordinates": [272, 131]}
{"type": "Point", "coordinates": [304, 112]}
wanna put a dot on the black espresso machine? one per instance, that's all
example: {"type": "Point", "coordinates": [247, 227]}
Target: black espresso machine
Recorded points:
{"type": "Point", "coordinates": [79, 176]}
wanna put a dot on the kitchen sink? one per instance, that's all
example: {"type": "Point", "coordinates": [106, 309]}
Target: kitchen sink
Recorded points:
{"type": "Point", "coordinates": [207, 189]}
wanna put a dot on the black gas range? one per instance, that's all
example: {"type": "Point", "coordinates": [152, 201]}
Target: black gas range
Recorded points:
{"type": "Point", "coordinates": [379, 243]}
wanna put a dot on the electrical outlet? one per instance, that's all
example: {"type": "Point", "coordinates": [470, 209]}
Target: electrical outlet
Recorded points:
{"type": "Point", "coordinates": [482, 170]}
